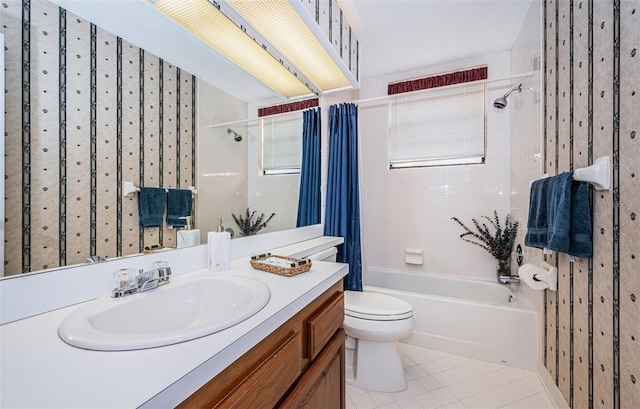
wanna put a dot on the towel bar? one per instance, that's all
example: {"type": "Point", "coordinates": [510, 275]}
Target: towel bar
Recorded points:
{"type": "Point", "coordinates": [598, 174]}
{"type": "Point", "coordinates": [129, 189]}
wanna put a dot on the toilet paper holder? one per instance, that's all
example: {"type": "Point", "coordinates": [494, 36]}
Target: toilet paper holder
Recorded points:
{"type": "Point", "coordinates": [550, 277]}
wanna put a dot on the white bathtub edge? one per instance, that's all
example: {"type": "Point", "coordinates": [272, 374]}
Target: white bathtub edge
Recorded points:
{"type": "Point", "coordinates": [438, 275]}
{"type": "Point", "coordinates": [463, 348]}
{"type": "Point", "coordinates": [551, 388]}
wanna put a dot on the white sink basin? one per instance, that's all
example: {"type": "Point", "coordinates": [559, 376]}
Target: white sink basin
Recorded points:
{"type": "Point", "coordinates": [184, 309]}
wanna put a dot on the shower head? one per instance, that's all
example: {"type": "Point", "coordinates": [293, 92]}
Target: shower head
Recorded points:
{"type": "Point", "coordinates": [501, 102]}
{"type": "Point", "coordinates": [236, 136]}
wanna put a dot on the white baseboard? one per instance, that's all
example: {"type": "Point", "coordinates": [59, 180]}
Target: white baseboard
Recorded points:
{"type": "Point", "coordinates": [550, 386]}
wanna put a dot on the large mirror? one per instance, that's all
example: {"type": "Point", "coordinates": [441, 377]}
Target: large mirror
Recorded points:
{"type": "Point", "coordinates": [256, 196]}
{"type": "Point", "coordinates": [102, 93]}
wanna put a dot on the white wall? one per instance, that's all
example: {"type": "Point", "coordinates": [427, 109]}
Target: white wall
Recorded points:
{"type": "Point", "coordinates": [222, 162]}
{"type": "Point", "coordinates": [230, 174]}
{"type": "Point", "coordinates": [412, 208]}
{"type": "Point", "coordinates": [526, 142]}
{"type": "Point", "coordinates": [271, 193]}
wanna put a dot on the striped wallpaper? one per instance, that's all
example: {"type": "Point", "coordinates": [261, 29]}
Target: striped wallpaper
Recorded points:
{"type": "Point", "coordinates": [86, 110]}
{"type": "Point", "coordinates": [592, 109]}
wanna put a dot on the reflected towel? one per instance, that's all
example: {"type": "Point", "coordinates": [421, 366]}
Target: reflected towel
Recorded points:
{"type": "Point", "coordinates": [151, 205]}
{"type": "Point", "coordinates": [580, 242]}
{"type": "Point", "coordinates": [179, 205]}
{"type": "Point", "coordinates": [537, 229]}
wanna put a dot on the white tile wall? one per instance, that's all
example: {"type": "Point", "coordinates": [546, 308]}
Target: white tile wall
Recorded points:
{"type": "Point", "coordinates": [272, 193]}
{"type": "Point", "coordinates": [526, 138]}
{"type": "Point", "coordinates": [526, 117]}
{"type": "Point", "coordinates": [412, 208]}
{"type": "Point", "coordinates": [229, 174]}
{"type": "Point", "coordinates": [275, 193]}
{"type": "Point", "coordinates": [222, 162]}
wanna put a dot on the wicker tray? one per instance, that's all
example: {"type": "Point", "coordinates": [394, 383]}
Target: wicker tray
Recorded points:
{"type": "Point", "coordinates": [284, 266]}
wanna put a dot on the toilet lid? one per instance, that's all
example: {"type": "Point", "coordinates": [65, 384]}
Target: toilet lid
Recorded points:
{"type": "Point", "coordinates": [375, 306]}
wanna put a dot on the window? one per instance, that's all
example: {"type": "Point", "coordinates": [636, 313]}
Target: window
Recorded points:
{"type": "Point", "coordinates": [282, 144]}
{"type": "Point", "coordinates": [438, 127]}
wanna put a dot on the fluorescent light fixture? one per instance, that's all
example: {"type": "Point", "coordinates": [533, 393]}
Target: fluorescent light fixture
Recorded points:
{"type": "Point", "coordinates": [209, 24]}
{"type": "Point", "coordinates": [289, 27]}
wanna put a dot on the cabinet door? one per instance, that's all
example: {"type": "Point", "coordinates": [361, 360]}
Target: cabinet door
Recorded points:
{"type": "Point", "coordinates": [324, 324]}
{"type": "Point", "coordinates": [261, 387]}
{"type": "Point", "coordinates": [269, 382]}
{"type": "Point", "coordinates": [322, 385]}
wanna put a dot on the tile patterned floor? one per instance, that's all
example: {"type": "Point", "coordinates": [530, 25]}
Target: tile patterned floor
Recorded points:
{"type": "Point", "coordinates": [441, 380]}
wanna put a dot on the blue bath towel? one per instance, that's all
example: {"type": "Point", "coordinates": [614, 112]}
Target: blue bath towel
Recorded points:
{"type": "Point", "coordinates": [151, 205]}
{"type": "Point", "coordinates": [537, 228]}
{"type": "Point", "coordinates": [580, 241]}
{"type": "Point", "coordinates": [559, 211]}
{"type": "Point", "coordinates": [179, 204]}
{"type": "Point", "coordinates": [559, 216]}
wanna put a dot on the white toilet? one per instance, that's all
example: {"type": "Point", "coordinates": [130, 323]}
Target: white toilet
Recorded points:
{"type": "Point", "coordinates": [374, 323]}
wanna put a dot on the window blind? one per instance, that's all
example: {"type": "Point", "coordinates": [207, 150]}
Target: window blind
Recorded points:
{"type": "Point", "coordinates": [282, 144]}
{"type": "Point", "coordinates": [438, 127]}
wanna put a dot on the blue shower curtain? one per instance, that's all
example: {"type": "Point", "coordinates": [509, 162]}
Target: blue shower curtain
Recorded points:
{"type": "Point", "coordinates": [309, 198]}
{"type": "Point", "coordinates": [342, 214]}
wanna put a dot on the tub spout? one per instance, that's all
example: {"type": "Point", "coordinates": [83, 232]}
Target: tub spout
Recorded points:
{"type": "Point", "coordinates": [508, 279]}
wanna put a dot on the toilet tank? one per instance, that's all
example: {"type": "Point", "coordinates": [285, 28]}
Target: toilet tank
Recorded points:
{"type": "Point", "coordinates": [329, 254]}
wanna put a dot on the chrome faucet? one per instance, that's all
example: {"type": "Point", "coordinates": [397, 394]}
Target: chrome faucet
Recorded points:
{"type": "Point", "coordinates": [508, 279]}
{"type": "Point", "coordinates": [141, 281]}
{"type": "Point", "coordinates": [94, 259]}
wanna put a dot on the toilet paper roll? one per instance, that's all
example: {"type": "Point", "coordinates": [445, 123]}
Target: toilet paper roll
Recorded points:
{"type": "Point", "coordinates": [528, 271]}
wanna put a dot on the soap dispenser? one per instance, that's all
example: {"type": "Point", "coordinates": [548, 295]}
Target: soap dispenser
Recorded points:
{"type": "Point", "coordinates": [188, 236]}
{"type": "Point", "coordinates": [219, 248]}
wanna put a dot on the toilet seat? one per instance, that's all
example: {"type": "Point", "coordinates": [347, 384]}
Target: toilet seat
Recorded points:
{"type": "Point", "coordinates": [375, 307]}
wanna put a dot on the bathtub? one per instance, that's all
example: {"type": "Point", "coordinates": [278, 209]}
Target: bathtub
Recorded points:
{"type": "Point", "coordinates": [477, 319]}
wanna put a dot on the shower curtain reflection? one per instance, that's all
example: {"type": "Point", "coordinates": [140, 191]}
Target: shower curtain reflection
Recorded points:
{"type": "Point", "coordinates": [309, 198]}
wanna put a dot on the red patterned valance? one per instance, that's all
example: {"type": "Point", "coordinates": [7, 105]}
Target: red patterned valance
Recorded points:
{"type": "Point", "coordinates": [289, 107]}
{"type": "Point", "coordinates": [439, 80]}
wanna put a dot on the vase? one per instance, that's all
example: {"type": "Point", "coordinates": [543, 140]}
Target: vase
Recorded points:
{"type": "Point", "coordinates": [504, 267]}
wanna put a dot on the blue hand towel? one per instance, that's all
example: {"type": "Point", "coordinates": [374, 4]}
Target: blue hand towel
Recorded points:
{"type": "Point", "coordinates": [179, 204]}
{"type": "Point", "coordinates": [151, 205]}
{"type": "Point", "coordinates": [580, 243]}
{"type": "Point", "coordinates": [559, 211]}
{"type": "Point", "coordinates": [537, 229]}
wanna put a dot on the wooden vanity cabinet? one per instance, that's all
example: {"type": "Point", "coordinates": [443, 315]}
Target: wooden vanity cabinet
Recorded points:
{"type": "Point", "coordinates": [322, 385]}
{"type": "Point", "coordinates": [300, 365]}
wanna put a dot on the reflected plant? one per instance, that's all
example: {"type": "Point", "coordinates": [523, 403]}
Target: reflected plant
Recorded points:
{"type": "Point", "coordinates": [248, 226]}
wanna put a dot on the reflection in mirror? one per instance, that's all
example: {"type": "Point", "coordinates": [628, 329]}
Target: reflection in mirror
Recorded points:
{"type": "Point", "coordinates": [74, 134]}
{"type": "Point", "coordinates": [259, 174]}
{"type": "Point", "coordinates": [2, 155]}
{"type": "Point", "coordinates": [113, 113]}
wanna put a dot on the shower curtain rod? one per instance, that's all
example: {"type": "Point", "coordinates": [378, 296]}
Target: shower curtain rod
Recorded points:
{"type": "Point", "coordinates": [359, 101]}
{"type": "Point", "coordinates": [510, 77]}
{"type": "Point", "coordinates": [243, 121]}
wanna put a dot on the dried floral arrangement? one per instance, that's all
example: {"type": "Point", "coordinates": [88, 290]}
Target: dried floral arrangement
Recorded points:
{"type": "Point", "coordinates": [498, 244]}
{"type": "Point", "coordinates": [248, 226]}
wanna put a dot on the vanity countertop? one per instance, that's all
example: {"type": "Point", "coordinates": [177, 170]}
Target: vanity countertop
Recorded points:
{"type": "Point", "coordinates": [39, 370]}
